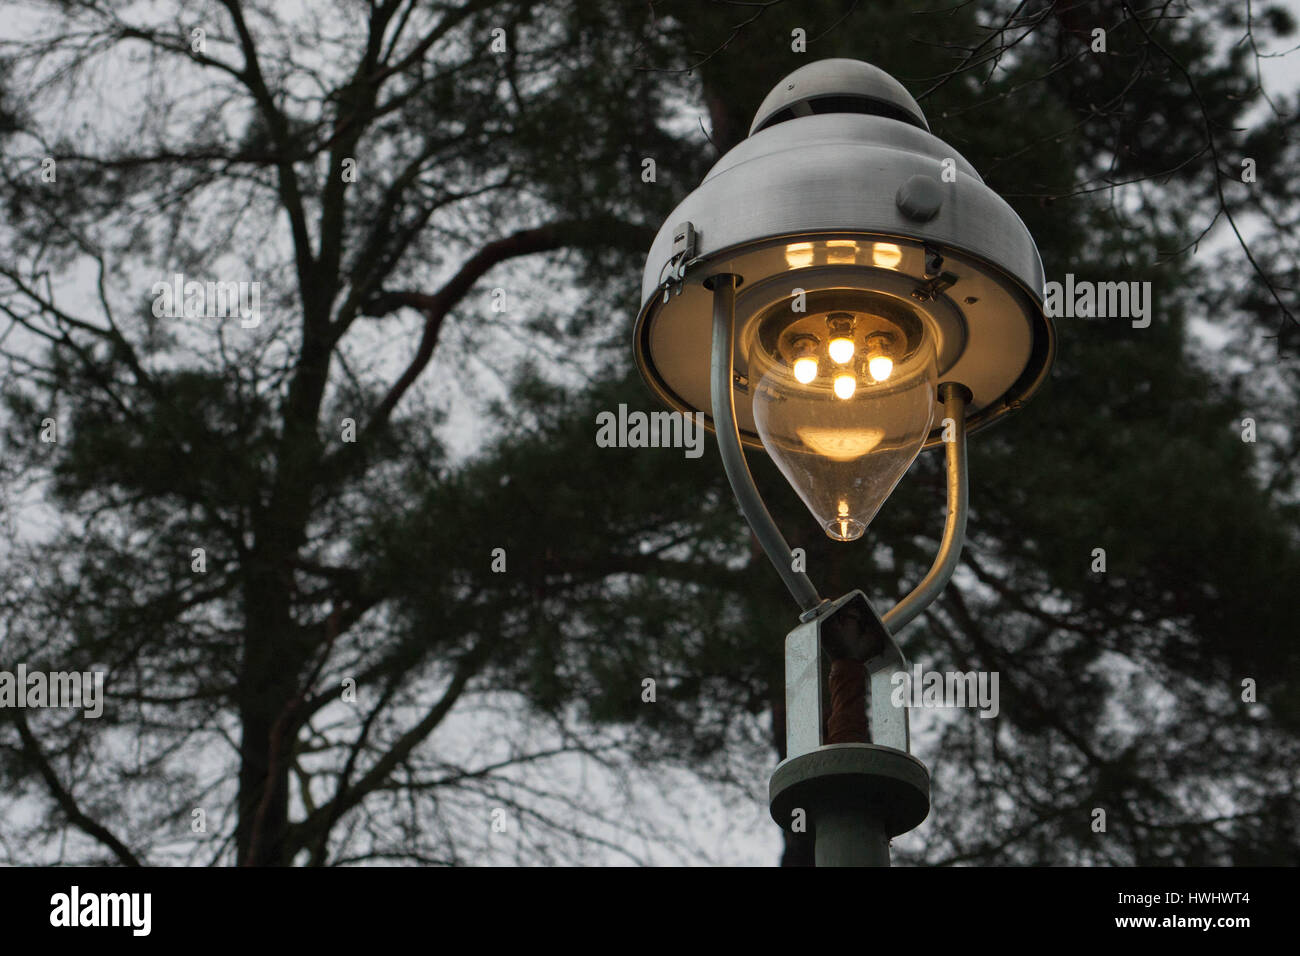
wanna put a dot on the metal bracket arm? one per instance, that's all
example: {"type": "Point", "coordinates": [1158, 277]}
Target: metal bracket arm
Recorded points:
{"type": "Point", "coordinates": [955, 398]}
{"type": "Point", "coordinates": [733, 456]}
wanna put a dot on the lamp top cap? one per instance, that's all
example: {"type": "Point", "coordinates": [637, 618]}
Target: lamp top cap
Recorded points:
{"type": "Point", "coordinates": [838, 86]}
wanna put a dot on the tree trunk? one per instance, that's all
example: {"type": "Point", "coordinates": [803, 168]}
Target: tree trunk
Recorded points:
{"type": "Point", "coordinates": [268, 693]}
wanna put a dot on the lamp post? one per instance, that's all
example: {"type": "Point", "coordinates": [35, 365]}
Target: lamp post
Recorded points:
{"type": "Point", "coordinates": [842, 291]}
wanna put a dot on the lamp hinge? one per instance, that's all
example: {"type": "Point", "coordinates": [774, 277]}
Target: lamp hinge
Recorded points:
{"type": "Point", "coordinates": [685, 248]}
{"type": "Point", "coordinates": [936, 280]}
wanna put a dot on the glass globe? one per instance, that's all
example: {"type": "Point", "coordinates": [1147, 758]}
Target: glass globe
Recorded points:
{"type": "Point", "coordinates": [843, 437]}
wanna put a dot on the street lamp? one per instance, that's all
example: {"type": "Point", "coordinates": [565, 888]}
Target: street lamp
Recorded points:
{"type": "Point", "coordinates": [842, 291]}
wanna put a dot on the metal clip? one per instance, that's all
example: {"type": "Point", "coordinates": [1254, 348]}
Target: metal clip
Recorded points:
{"type": "Point", "coordinates": [933, 288]}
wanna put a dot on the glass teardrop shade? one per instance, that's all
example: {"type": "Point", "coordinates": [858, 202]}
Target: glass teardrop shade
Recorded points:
{"type": "Point", "coordinates": [844, 439]}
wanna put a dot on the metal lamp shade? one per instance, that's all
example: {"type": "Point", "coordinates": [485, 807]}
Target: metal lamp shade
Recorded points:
{"type": "Point", "coordinates": [841, 194]}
